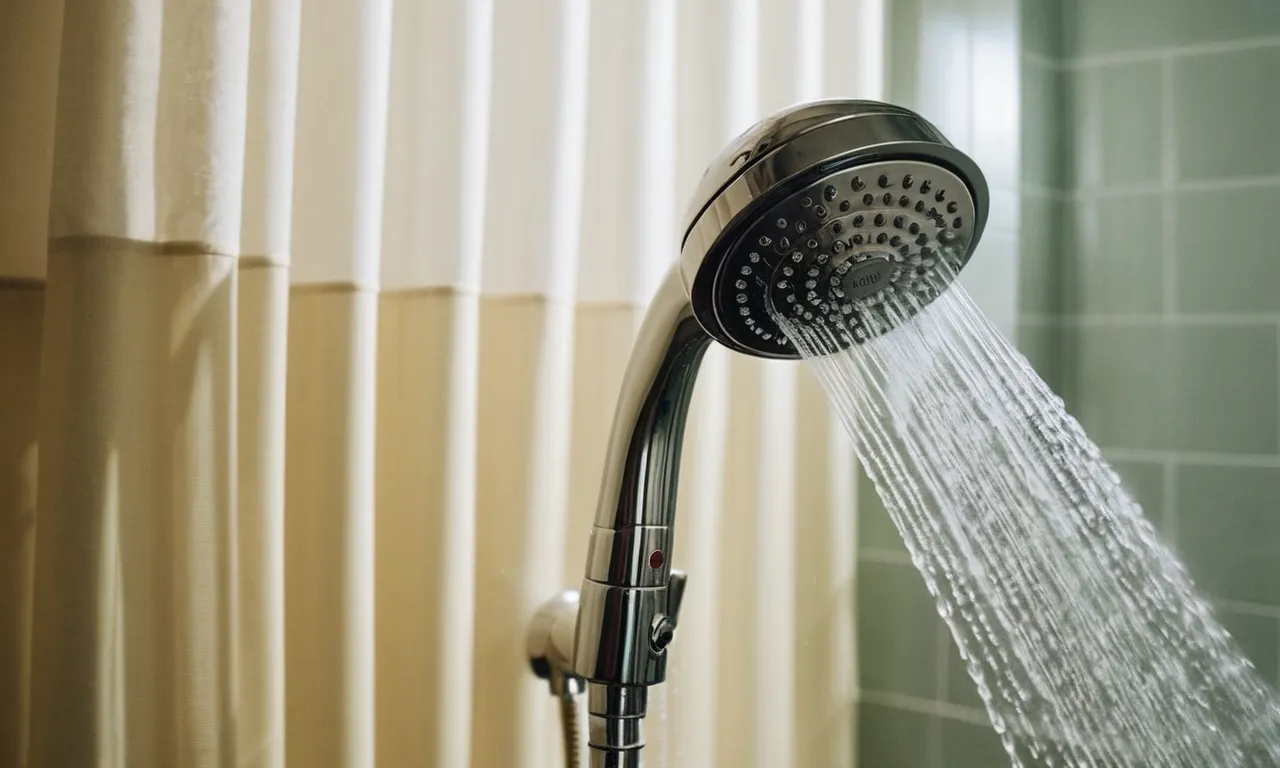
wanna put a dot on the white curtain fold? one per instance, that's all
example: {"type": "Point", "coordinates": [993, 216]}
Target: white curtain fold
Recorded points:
{"type": "Point", "coordinates": [312, 321]}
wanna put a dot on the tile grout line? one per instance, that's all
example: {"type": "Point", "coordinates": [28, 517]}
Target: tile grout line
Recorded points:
{"type": "Point", "coordinates": [1198, 320]}
{"type": "Point", "coordinates": [1135, 189]}
{"type": "Point", "coordinates": [1201, 458]}
{"type": "Point", "coordinates": [921, 706]}
{"type": "Point", "coordinates": [1174, 51]}
{"type": "Point", "coordinates": [1169, 485]}
{"type": "Point", "coordinates": [1247, 608]}
{"type": "Point", "coordinates": [884, 556]}
{"type": "Point", "coordinates": [941, 640]}
{"type": "Point", "coordinates": [1106, 192]}
{"type": "Point", "coordinates": [1168, 178]}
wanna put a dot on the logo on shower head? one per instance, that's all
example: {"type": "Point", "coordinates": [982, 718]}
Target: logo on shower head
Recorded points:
{"type": "Point", "coordinates": [867, 277]}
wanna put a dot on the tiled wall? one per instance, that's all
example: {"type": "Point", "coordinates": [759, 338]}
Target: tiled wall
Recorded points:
{"type": "Point", "coordinates": [1150, 291]}
{"type": "Point", "coordinates": [1146, 207]}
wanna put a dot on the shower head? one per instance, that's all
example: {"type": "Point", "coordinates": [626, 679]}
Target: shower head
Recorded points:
{"type": "Point", "coordinates": [820, 213]}
{"type": "Point", "coordinates": [823, 214]}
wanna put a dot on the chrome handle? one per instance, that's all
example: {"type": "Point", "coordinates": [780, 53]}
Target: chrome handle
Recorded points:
{"type": "Point", "coordinates": [663, 630]}
{"type": "Point", "coordinates": [675, 594]}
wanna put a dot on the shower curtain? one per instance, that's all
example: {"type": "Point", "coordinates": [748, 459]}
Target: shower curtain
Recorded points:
{"type": "Point", "coordinates": [312, 316]}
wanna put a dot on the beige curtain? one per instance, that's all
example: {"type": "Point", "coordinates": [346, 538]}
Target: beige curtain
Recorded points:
{"type": "Point", "coordinates": [312, 316]}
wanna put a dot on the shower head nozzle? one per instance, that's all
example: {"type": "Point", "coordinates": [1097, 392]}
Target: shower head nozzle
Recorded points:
{"type": "Point", "coordinates": [821, 212]}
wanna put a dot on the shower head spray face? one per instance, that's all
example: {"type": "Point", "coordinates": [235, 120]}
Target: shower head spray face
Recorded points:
{"type": "Point", "coordinates": [819, 215]}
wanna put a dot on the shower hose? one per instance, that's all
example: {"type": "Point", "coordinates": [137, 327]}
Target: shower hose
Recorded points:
{"type": "Point", "coordinates": [571, 726]}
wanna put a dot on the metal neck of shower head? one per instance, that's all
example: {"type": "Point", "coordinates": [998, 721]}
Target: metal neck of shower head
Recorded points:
{"type": "Point", "coordinates": [816, 215]}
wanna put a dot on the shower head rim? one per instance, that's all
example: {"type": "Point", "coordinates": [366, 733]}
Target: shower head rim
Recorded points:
{"type": "Point", "coordinates": [858, 135]}
{"type": "Point", "coordinates": [769, 134]}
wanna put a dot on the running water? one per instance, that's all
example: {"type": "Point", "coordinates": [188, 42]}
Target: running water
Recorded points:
{"type": "Point", "coordinates": [1083, 633]}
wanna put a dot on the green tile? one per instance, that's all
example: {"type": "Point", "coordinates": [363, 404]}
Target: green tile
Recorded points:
{"type": "Point", "coordinates": [960, 686]}
{"type": "Point", "coordinates": [897, 631]}
{"type": "Point", "coordinates": [1229, 530]}
{"type": "Point", "coordinates": [1225, 113]}
{"type": "Point", "coordinates": [1224, 389]}
{"type": "Point", "coordinates": [1258, 637]}
{"type": "Point", "coordinates": [966, 745]}
{"type": "Point", "coordinates": [1175, 387]}
{"type": "Point", "coordinates": [1118, 388]}
{"type": "Point", "coordinates": [1044, 132]}
{"type": "Point", "coordinates": [875, 527]}
{"type": "Point", "coordinates": [1040, 248]}
{"type": "Point", "coordinates": [991, 279]}
{"type": "Point", "coordinates": [1145, 481]}
{"type": "Point", "coordinates": [1093, 27]}
{"type": "Point", "coordinates": [1042, 346]}
{"type": "Point", "coordinates": [1232, 267]}
{"type": "Point", "coordinates": [896, 738]}
{"type": "Point", "coordinates": [1041, 25]}
{"type": "Point", "coordinates": [1116, 111]}
{"type": "Point", "coordinates": [1112, 259]}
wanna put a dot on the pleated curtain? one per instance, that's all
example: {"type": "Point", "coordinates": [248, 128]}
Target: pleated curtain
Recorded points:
{"type": "Point", "coordinates": [312, 319]}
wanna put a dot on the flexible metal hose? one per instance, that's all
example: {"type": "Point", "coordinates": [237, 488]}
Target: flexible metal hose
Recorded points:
{"type": "Point", "coordinates": [571, 725]}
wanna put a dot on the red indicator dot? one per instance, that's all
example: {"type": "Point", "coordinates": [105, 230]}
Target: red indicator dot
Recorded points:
{"type": "Point", "coordinates": [656, 559]}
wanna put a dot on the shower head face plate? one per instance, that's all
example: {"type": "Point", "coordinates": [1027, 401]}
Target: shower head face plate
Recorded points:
{"type": "Point", "coordinates": [835, 251]}
{"type": "Point", "coordinates": [823, 213]}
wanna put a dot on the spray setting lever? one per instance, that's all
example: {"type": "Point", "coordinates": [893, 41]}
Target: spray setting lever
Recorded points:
{"type": "Point", "coordinates": [664, 624]}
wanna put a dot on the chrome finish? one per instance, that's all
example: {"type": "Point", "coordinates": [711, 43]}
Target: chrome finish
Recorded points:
{"type": "Point", "coordinates": [615, 723]}
{"type": "Point", "coordinates": [664, 624]}
{"type": "Point", "coordinates": [615, 758]}
{"type": "Point", "coordinates": [623, 556]}
{"type": "Point", "coordinates": [571, 727]}
{"type": "Point", "coordinates": [628, 607]}
{"type": "Point", "coordinates": [549, 644]}
{"type": "Point", "coordinates": [622, 591]}
{"type": "Point", "coordinates": [783, 154]}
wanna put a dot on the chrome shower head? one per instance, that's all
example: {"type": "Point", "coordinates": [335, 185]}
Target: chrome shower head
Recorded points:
{"type": "Point", "coordinates": [821, 212]}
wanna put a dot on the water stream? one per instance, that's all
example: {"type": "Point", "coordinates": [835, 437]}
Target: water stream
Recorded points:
{"type": "Point", "coordinates": [1080, 628]}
